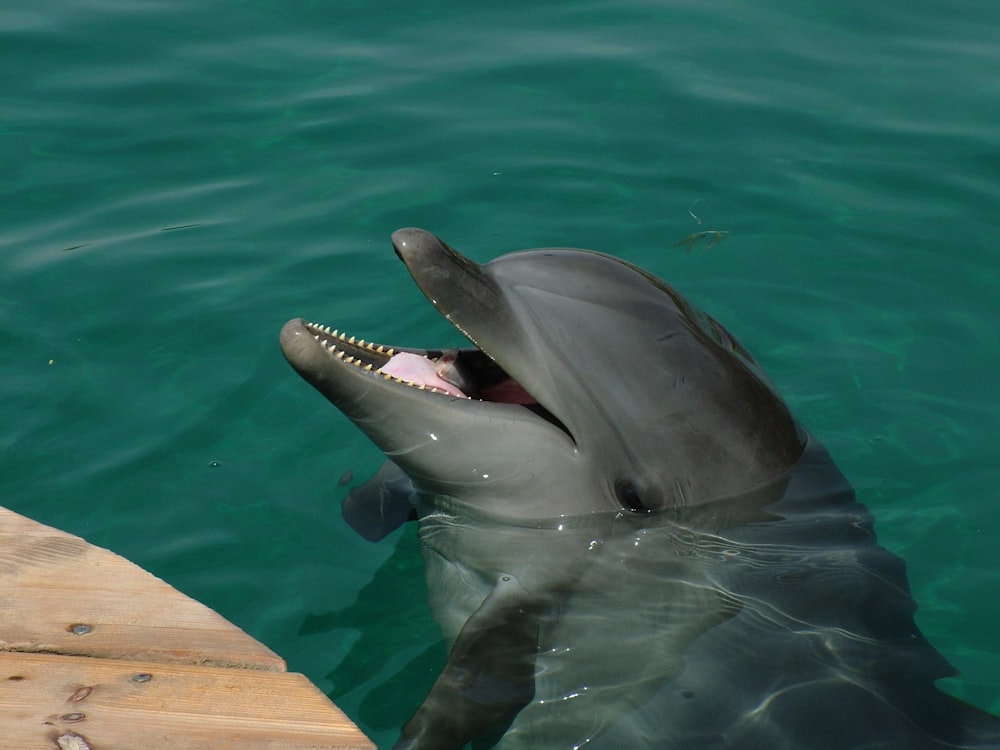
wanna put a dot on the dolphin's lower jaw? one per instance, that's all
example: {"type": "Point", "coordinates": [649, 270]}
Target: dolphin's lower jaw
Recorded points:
{"type": "Point", "coordinates": [431, 434]}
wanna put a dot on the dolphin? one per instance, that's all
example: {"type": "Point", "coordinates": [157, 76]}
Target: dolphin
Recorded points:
{"type": "Point", "coordinates": [628, 538]}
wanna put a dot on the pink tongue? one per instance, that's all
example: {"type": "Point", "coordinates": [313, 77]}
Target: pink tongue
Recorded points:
{"type": "Point", "coordinates": [419, 370]}
{"type": "Point", "coordinates": [422, 371]}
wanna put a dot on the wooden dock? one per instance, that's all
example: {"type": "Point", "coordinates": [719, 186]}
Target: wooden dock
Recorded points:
{"type": "Point", "coordinates": [98, 654]}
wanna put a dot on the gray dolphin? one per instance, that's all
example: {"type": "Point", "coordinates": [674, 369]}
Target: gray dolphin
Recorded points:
{"type": "Point", "coordinates": [627, 536]}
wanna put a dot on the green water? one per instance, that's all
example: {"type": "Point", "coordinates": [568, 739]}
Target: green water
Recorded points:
{"type": "Point", "coordinates": [180, 177]}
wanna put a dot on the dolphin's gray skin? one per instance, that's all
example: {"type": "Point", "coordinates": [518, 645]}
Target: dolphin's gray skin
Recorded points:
{"type": "Point", "coordinates": [629, 539]}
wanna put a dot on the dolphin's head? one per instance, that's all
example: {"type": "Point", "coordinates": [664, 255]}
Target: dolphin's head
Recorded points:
{"type": "Point", "coordinates": [592, 386]}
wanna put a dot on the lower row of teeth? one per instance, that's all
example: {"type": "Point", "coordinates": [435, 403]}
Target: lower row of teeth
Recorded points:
{"type": "Point", "coordinates": [341, 355]}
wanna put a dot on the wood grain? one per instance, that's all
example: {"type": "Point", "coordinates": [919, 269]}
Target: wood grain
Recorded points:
{"type": "Point", "coordinates": [118, 704]}
{"type": "Point", "coordinates": [98, 654]}
{"type": "Point", "coordinates": [59, 594]}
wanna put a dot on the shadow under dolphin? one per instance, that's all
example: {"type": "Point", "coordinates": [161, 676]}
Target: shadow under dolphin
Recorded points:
{"type": "Point", "coordinates": [628, 539]}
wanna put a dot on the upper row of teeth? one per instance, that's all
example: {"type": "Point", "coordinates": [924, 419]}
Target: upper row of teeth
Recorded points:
{"type": "Point", "coordinates": [356, 361]}
{"type": "Point", "coordinates": [352, 341]}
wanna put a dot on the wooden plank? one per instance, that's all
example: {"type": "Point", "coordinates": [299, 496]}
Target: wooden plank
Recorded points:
{"type": "Point", "coordinates": [78, 703]}
{"type": "Point", "coordinates": [59, 594]}
{"type": "Point", "coordinates": [98, 654]}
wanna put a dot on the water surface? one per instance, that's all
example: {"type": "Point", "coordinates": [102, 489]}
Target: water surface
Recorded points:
{"type": "Point", "coordinates": [180, 178]}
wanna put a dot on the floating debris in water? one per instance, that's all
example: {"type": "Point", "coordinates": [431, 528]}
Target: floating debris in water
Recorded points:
{"type": "Point", "coordinates": [714, 237]}
{"type": "Point", "coordinates": [691, 211]}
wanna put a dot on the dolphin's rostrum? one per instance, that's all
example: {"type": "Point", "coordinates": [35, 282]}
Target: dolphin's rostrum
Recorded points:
{"type": "Point", "coordinates": [628, 538]}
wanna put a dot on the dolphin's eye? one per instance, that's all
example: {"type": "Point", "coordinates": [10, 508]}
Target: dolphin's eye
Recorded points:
{"type": "Point", "coordinates": [629, 498]}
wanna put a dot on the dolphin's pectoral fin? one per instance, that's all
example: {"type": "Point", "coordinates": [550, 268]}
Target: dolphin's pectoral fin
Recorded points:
{"type": "Point", "coordinates": [381, 505]}
{"type": "Point", "coordinates": [489, 677]}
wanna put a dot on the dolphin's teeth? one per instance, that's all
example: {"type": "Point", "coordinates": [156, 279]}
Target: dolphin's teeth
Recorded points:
{"type": "Point", "coordinates": [316, 336]}
{"type": "Point", "coordinates": [326, 329]}
{"type": "Point", "coordinates": [380, 349]}
{"type": "Point", "coordinates": [361, 342]}
{"type": "Point", "coordinates": [390, 352]}
{"type": "Point", "coordinates": [350, 340]}
{"type": "Point", "coordinates": [349, 360]}
{"type": "Point", "coordinates": [336, 333]}
{"type": "Point", "coordinates": [340, 354]}
{"type": "Point", "coordinates": [368, 368]}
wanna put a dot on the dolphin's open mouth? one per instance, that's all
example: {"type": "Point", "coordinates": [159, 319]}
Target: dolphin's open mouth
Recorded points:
{"type": "Point", "coordinates": [467, 373]}
{"type": "Point", "coordinates": [371, 382]}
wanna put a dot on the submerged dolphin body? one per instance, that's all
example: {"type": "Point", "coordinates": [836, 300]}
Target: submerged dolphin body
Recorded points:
{"type": "Point", "coordinates": [628, 538]}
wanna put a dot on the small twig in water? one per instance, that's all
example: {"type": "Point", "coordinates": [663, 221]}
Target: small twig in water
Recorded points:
{"type": "Point", "coordinates": [691, 211]}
